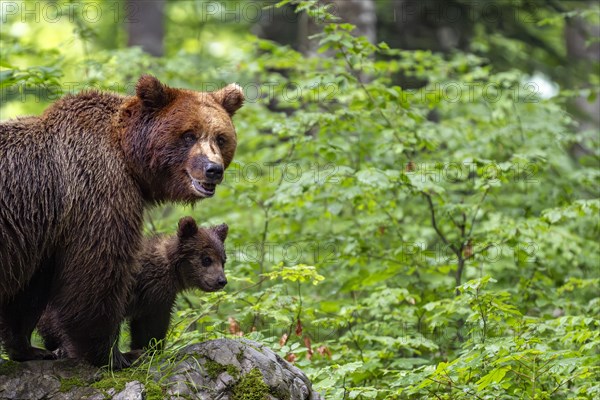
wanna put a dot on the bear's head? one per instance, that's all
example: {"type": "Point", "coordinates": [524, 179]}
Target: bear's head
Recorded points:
{"type": "Point", "coordinates": [200, 256]}
{"type": "Point", "coordinates": [178, 142]}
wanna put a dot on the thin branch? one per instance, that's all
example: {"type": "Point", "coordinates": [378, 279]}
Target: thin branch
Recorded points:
{"type": "Point", "coordinates": [459, 271]}
{"type": "Point", "coordinates": [263, 240]}
{"type": "Point", "coordinates": [540, 369]}
{"type": "Point", "coordinates": [355, 340]}
{"type": "Point", "coordinates": [266, 210]}
{"type": "Point", "coordinates": [260, 281]}
{"type": "Point", "coordinates": [563, 382]}
{"type": "Point", "coordinates": [456, 224]}
{"type": "Point", "coordinates": [519, 121]}
{"type": "Point", "coordinates": [434, 394]}
{"type": "Point", "coordinates": [477, 211]}
{"type": "Point", "coordinates": [484, 319]}
{"type": "Point", "coordinates": [435, 226]}
{"type": "Point", "coordinates": [522, 363]}
{"type": "Point", "coordinates": [524, 376]}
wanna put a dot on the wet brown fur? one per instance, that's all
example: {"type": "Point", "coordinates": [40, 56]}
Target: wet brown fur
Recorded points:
{"type": "Point", "coordinates": [74, 183]}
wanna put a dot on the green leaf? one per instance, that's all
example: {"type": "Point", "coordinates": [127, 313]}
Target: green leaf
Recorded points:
{"type": "Point", "coordinates": [494, 376]}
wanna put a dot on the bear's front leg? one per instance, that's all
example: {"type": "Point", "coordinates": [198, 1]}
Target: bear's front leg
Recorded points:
{"type": "Point", "coordinates": [19, 316]}
{"type": "Point", "coordinates": [148, 331]}
{"type": "Point", "coordinates": [92, 298]}
{"type": "Point", "coordinates": [50, 331]}
{"type": "Point", "coordinates": [92, 339]}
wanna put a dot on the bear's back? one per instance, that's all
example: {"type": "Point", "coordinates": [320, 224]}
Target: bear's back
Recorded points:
{"type": "Point", "coordinates": [69, 153]}
{"type": "Point", "coordinates": [86, 114]}
{"type": "Point", "coordinates": [59, 173]}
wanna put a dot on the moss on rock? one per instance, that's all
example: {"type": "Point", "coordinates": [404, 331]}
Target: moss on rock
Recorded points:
{"type": "Point", "coordinates": [251, 387]}
{"type": "Point", "coordinates": [9, 367]}
{"type": "Point", "coordinates": [214, 369]}
{"type": "Point", "coordinates": [118, 380]}
{"type": "Point", "coordinates": [240, 356]}
{"type": "Point", "coordinates": [66, 384]}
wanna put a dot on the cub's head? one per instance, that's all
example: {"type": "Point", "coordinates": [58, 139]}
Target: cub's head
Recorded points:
{"type": "Point", "coordinates": [178, 142]}
{"type": "Point", "coordinates": [200, 255]}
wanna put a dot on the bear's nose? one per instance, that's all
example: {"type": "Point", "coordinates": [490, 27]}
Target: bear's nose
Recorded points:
{"type": "Point", "coordinates": [213, 171]}
{"type": "Point", "coordinates": [222, 282]}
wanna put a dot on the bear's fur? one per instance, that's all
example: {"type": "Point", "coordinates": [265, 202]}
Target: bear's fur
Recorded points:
{"type": "Point", "coordinates": [193, 258]}
{"type": "Point", "coordinates": [73, 186]}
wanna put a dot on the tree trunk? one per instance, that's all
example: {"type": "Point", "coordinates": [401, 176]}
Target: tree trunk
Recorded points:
{"type": "Point", "coordinates": [583, 57]}
{"type": "Point", "coordinates": [145, 25]}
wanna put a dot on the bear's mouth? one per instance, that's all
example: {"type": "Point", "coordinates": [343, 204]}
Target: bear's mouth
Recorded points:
{"type": "Point", "coordinates": [205, 189]}
{"type": "Point", "coordinates": [210, 288]}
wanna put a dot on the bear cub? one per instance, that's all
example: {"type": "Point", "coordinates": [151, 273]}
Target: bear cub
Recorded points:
{"type": "Point", "coordinates": [193, 258]}
{"type": "Point", "coordinates": [168, 264]}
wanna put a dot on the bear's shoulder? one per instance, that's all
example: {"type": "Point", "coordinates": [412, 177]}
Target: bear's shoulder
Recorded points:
{"type": "Point", "coordinates": [89, 110]}
{"type": "Point", "coordinates": [86, 101]}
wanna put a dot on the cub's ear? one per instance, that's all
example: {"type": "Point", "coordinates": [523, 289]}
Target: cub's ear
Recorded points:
{"type": "Point", "coordinates": [231, 97]}
{"type": "Point", "coordinates": [221, 231]}
{"type": "Point", "coordinates": [153, 94]}
{"type": "Point", "coordinates": [187, 227]}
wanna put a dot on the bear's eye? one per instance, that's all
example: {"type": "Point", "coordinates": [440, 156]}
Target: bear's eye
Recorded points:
{"type": "Point", "coordinates": [189, 138]}
{"type": "Point", "coordinates": [206, 261]}
{"type": "Point", "coordinates": [221, 140]}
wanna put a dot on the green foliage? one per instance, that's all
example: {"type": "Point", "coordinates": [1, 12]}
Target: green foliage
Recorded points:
{"type": "Point", "coordinates": [431, 243]}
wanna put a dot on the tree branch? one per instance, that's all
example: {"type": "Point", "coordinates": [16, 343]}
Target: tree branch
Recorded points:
{"type": "Point", "coordinates": [476, 211]}
{"type": "Point", "coordinates": [435, 226]}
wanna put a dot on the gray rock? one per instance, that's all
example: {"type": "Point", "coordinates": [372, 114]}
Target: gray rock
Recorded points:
{"type": "Point", "coordinates": [220, 369]}
{"type": "Point", "coordinates": [133, 391]}
{"type": "Point", "coordinates": [225, 364]}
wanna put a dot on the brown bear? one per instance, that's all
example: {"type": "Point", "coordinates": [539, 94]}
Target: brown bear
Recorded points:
{"type": "Point", "coordinates": [193, 258]}
{"type": "Point", "coordinates": [73, 187]}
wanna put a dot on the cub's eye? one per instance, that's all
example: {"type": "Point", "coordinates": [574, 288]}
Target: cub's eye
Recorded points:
{"type": "Point", "coordinates": [189, 138]}
{"type": "Point", "coordinates": [221, 140]}
{"type": "Point", "coordinates": [206, 261]}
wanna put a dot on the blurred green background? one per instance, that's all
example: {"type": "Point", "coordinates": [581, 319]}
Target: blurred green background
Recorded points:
{"type": "Point", "coordinates": [413, 206]}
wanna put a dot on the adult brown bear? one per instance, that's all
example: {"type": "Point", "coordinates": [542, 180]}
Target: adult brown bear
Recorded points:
{"type": "Point", "coordinates": [73, 186]}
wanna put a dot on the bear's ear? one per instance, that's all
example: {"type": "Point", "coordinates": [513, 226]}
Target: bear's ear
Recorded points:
{"type": "Point", "coordinates": [231, 97]}
{"type": "Point", "coordinates": [153, 94]}
{"type": "Point", "coordinates": [187, 227]}
{"type": "Point", "coordinates": [221, 231]}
